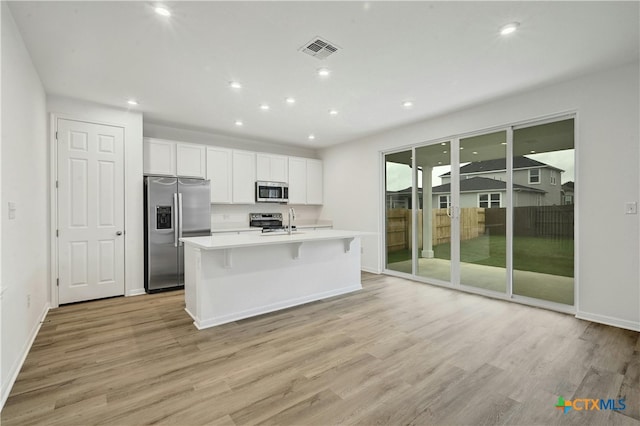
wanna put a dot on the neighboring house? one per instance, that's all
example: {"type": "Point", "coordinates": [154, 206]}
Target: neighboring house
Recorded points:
{"type": "Point", "coordinates": [568, 193]}
{"type": "Point", "coordinates": [486, 192]}
{"type": "Point", "coordinates": [401, 199]}
{"type": "Point", "coordinates": [483, 184]}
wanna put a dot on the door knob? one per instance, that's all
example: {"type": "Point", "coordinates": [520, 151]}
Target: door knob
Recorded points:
{"type": "Point", "coordinates": [119, 233]}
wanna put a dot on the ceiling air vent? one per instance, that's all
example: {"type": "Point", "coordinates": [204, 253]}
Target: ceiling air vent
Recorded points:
{"type": "Point", "coordinates": [319, 48]}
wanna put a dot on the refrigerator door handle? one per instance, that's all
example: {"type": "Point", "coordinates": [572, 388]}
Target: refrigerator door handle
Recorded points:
{"type": "Point", "coordinates": [175, 220]}
{"type": "Point", "coordinates": [180, 216]}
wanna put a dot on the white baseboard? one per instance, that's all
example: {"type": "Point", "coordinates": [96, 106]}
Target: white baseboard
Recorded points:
{"type": "Point", "coordinates": [604, 319]}
{"type": "Point", "coordinates": [224, 319]}
{"type": "Point", "coordinates": [370, 270]}
{"type": "Point", "coordinates": [15, 369]}
{"type": "Point", "coordinates": [135, 292]}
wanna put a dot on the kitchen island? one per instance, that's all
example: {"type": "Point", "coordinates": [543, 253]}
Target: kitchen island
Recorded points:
{"type": "Point", "coordinates": [231, 277]}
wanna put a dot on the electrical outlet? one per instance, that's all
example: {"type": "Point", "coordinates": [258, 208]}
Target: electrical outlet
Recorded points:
{"type": "Point", "coordinates": [631, 208]}
{"type": "Point", "coordinates": [12, 210]}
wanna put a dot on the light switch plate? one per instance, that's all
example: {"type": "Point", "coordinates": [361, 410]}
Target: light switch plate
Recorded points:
{"type": "Point", "coordinates": [12, 210]}
{"type": "Point", "coordinates": [631, 208]}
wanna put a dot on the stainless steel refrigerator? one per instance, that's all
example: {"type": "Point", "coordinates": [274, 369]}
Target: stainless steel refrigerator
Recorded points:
{"type": "Point", "coordinates": [174, 208]}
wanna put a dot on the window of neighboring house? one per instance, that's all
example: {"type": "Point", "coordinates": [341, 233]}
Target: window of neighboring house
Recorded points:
{"type": "Point", "coordinates": [539, 200]}
{"type": "Point", "coordinates": [444, 201]}
{"type": "Point", "coordinates": [553, 177]}
{"type": "Point", "coordinates": [568, 199]}
{"type": "Point", "coordinates": [534, 175]}
{"type": "Point", "coordinates": [401, 204]}
{"type": "Point", "coordinates": [489, 200]}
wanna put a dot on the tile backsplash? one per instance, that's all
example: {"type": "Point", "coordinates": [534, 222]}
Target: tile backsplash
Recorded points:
{"type": "Point", "coordinates": [226, 216]}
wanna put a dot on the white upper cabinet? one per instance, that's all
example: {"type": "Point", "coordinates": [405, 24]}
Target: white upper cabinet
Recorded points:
{"type": "Point", "coordinates": [233, 173]}
{"type": "Point", "coordinates": [219, 167]}
{"type": "Point", "coordinates": [173, 158]}
{"type": "Point", "coordinates": [159, 157]}
{"type": "Point", "coordinates": [244, 177]}
{"type": "Point", "coordinates": [191, 160]}
{"type": "Point", "coordinates": [314, 182]}
{"type": "Point", "coordinates": [297, 180]}
{"type": "Point", "coordinates": [305, 181]}
{"type": "Point", "coordinates": [272, 168]}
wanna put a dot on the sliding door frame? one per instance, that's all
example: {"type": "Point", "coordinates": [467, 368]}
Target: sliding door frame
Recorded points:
{"type": "Point", "coordinates": [455, 208]}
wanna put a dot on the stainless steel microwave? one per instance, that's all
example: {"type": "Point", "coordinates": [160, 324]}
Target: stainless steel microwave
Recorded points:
{"type": "Point", "coordinates": [272, 192]}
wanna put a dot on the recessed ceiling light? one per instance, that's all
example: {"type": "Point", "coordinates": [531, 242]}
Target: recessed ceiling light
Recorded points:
{"type": "Point", "coordinates": [239, 123]}
{"type": "Point", "coordinates": [439, 162]}
{"type": "Point", "coordinates": [235, 85]}
{"type": "Point", "coordinates": [333, 112]}
{"type": "Point", "coordinates": [533, 152]}
{"type": "Point", "coordinates": [290, 100]}
{"type": "Point", "coordinates": [311, 137]}
{"type": "Point", "coordinates": [132, 102]}
{"type": "Point", "coordinates": [443, 144]}
{"type": "Point", "coordinates": [503, 143]}
{"type": "Point", "coordinates": [162, 11]}
{"type": "Point", "coordinates": [462, 147]}
{"type": "Point", "coordinates": [264, 107]}
{"type": "Point", "coordinates": [444, 152]}
{"type": "Point", "coordinates": [509, 28]}
{"type": "Point", "coordinates": [324, 72]}
{"type": "Point", "coordinates": [407, 104]}
{"type": "Point", "coordinates": [475, 152]}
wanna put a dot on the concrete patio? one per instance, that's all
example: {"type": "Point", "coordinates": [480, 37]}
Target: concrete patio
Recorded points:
{"type": "Point", "coordinates": [537, 285]}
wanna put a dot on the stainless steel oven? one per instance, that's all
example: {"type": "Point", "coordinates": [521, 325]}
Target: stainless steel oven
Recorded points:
{"type": "Point", "coordinates": [272, 192]}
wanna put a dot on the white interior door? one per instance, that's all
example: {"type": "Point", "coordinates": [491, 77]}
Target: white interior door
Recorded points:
{"type": "Point", "coordinates": [90, 211]}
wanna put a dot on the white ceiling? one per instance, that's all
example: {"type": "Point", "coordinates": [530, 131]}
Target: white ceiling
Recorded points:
{"type": "Point", "coordinates": [441, 55]}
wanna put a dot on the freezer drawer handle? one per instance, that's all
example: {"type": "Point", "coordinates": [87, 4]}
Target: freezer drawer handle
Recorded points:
{"type": "Point", "coordinates": [119, 233]}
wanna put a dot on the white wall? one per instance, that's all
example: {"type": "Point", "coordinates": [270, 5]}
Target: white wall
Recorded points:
{"type": "Point", "coordinates": [131, 120]}
{"type": "Point", "coordinates": [607, 177]}
{"type": "Point", "coordinates": [160, 131]}
{"type": "Point", "coordinates": [25, 268]}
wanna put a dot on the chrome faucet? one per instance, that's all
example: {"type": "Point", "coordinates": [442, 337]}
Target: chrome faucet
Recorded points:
{"type": "Point", "coordinates": [292, 216]}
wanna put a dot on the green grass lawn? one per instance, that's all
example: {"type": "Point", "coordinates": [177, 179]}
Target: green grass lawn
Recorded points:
{"type": "Point", "coordinates": [544, 255]}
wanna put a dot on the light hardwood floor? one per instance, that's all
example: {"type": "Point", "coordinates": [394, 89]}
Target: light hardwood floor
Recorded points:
{"type": "Point", "coordinates": [398, 352]}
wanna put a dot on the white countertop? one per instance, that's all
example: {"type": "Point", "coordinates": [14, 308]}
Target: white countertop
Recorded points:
{"type": "Point", "coordinates": [217, 242]}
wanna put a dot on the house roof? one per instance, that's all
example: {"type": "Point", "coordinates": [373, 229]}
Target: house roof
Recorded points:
{"type": "Point", "coordinates": [477, 184]}
{"type": "Point", "coordinates": [568, 186]}
{"type": "Point", "coordinates": [519, 162]}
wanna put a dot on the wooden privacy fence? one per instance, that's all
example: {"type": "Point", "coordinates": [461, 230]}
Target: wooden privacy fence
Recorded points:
{"type": "Point", "coordinates": [530, 221]}
{"type": "Point", "coordinates": [534, 221]}
{"type": "Point", "coordinates": [399, 227]}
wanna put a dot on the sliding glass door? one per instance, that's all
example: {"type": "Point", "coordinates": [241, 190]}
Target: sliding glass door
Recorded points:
{"type": "Point", "coordinates": [483, 211]}
{"type": "Point", "coordinates": [543, 211]}
{"type": "Point", "coordinates": [434, 214]}
{"type": "Point", "coordinates": [398, 207]}
{"type": "Point", "coordinates": [490, 212]}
